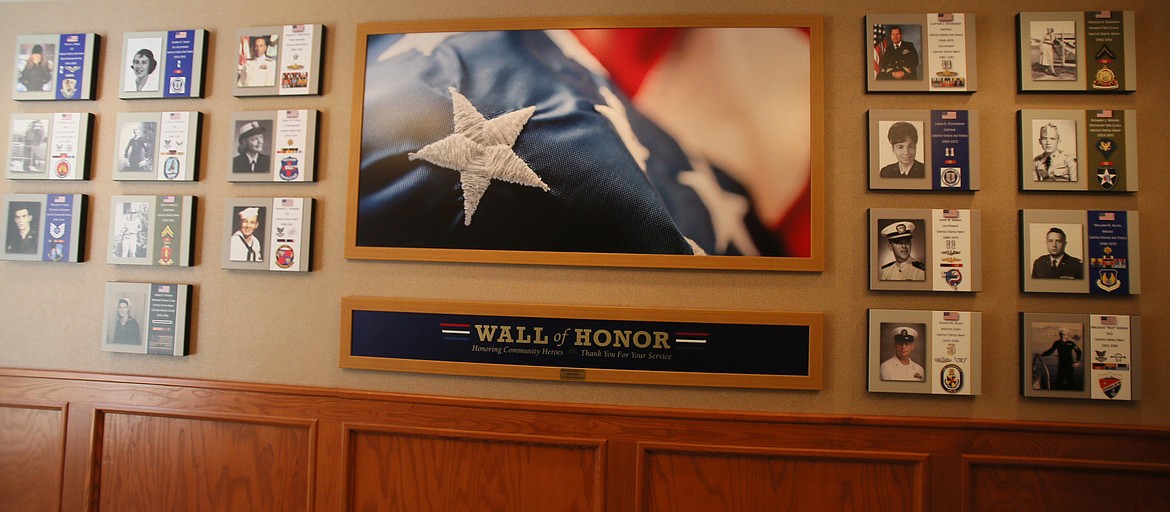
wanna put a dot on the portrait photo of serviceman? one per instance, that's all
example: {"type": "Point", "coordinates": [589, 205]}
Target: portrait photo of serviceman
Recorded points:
{"type": "Point", "coordinates": [253, 147]}
{"type": "Point", "coordinates": [900, 59]}
{"type": "Point", "coordinates": [1058, 263]}
{"type": "Point", "coordinates": [22, 228]}
{"type": "Point", "coordinates": [126, 329]}
{"type": "Point", "coordinates": [1068, 362]}
{"type": "Point", "coordinates": [1051, 163]}
{"type": "Point", "coordinates": [903, 137]}
{"type": "Point", "coordinates": [899, 236]}
{"type": "Point", "coordinates": [258, 68]}
{"type": "Point", "coordinates": [246, 242]}
{"type": "Point", "coordinates": [901, 365]}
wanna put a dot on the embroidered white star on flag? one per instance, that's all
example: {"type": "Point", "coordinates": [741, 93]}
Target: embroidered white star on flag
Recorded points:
{"type": "Point", "coordinates": [481, 150]}
{"type": "Point", "coordinates": [726, 209]}
{"type": "Point", "coordinates": [615, 111]}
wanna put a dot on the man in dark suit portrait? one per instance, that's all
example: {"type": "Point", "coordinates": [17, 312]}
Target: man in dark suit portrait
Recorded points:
{"type": "Point", "coordinates": [1057, 264]}
{"type": "Point", "coordinates": [250, 157]}
{"type": "Point", "coordinates": [900, 60]}
{"type": "Point", "coordinates": [903, 138]}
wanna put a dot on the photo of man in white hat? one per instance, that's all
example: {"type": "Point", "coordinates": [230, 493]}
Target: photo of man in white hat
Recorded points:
{"type": "Point", "coordinates": [901, 366]}
{"type": "Point", "coordinates": [899, 235]}
{"type": "Point", "coordinates": [246, 243]}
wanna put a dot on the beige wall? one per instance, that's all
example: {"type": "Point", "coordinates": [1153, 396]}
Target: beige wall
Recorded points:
{"type": "Point", "coordinates": [246, 329]}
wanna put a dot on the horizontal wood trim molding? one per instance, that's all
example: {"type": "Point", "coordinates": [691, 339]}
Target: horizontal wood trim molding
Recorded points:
{"type": "Point", "coordinates": [298, 448]}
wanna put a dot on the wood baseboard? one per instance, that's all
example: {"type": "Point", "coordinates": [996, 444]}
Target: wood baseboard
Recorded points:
{"type": "Point", "coordinates": [82, 441]}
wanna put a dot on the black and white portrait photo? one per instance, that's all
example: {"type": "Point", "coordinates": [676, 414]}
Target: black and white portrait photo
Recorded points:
{"type": "Point", "coordinates": [142, 64]}
{"type": "Point", "coordinates": [253, 152]}
{"type": "Point", "coordinates": [1054, 150]}
{"type": "Point", "coordinates": [1053, 50]}
{"type": "Point", "coordinates": [901, 249]}
{"type": "Point", "coordinates": [136, 146]}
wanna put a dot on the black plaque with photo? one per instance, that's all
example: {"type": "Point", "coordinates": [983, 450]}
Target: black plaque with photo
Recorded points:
{"type": "Point", "coordinates": [55, 67]}
{"type": "Point", "coordinates": [924, 150]}
{"type": "Point", "coordinates": [928, 52]}
{"type": "Point", "coordinates": [1078, 150]}
{"type": "Point", "coordinates": [1077, 51]}
{"type": "Point", "coordinates": [925, 250]}
{"type": "Point", "coordinates": [1089, 356]}
{"type": "Point", "coordinates": [44, 227]}
{"type": "Point", "coordinates": [1080, 251]}
{"type": "Point", "coordinates": [278, 60]}
{"type": "Point", "coordinates": [925, 352]}
{"type": "Point", "coordinates": [50, 146]}
{"type": "Point", "coordinates": [147, 318]}
{"type": "Point", "coordinates": [163, 64]}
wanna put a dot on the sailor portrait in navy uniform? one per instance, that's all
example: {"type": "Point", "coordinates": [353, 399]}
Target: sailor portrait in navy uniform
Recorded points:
{"type": "Point", "coordinates": [904, 267]}
{"type": "Point", "coordinates": [900, 59]}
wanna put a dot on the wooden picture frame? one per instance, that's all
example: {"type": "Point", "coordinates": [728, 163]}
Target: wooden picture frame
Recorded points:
{"type": "Point", "coordinates": [590, 179]}
{"type": "Point", "coordinates": [742, 349]}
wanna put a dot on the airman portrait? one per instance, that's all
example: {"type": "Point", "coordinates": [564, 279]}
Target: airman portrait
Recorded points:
{"type": "Point", "coordinates": [1052, 243]}
{"type": "Point", "coordinates": [897, 245]}
{"type": "Point", "coordinates": [902, 347]}
{"type": "Point", "coordinates": [1055, 150]}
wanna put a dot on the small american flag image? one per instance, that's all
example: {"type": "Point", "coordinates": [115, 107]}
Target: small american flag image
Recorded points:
{"type": "Point", "coordinates": [879, 46]}
{"type": "Point", "coordinates": [950, 115]}
{"type": "Point", "coordinates": [950, 214]}
{"type": "Point", "coordinates": [1107, 216]}
{"type": "Point", "coordinates": [1105, 113]}
{"type": "Point", "coordinates": [951, 316]}
{"type": "Point", "coordinates": [1109, 320]}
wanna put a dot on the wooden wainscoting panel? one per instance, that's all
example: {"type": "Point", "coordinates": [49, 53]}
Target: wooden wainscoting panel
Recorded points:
{"type": "Point", "coordinates": [1002, 483]}
{"type": "Point", "coordinates": [690, 477]}
{"type": "Point", "coordinates": [155, 459]}
{"type": "Point", "coordinates": [410, 470]}
{"type": "Point", "coordinates": [32, 455]}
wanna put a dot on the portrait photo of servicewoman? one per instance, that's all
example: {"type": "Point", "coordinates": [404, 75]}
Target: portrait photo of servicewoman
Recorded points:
{"type": "Point", "coordinates": [253, 147]}
{"type": "Point", "coordinates": [142, 65]}
{"type": "Point", "coordinates": [902, 159]}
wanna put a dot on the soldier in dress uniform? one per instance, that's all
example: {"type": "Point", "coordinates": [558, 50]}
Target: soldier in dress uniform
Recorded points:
{"type": "Point", "coordinates": [904, 267]}
{"type": "Point", "coordinates": [900, 60]}
{"type": "Point", "coordinates": [1053, 164]}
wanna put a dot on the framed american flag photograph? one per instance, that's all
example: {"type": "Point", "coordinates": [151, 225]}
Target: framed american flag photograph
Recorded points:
{"type": "Point", "coordinates": [672, 142]}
